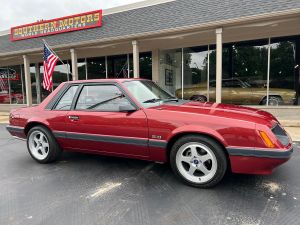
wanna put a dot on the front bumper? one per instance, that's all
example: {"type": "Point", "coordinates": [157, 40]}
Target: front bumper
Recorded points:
{"type": "Point", "coordinates": [257, 161]}
{"type": "Point", "coordinates": [16, 131]}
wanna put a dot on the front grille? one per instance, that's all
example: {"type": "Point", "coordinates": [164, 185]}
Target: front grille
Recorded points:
{"type": "Point", "coordinates": [281, 135]}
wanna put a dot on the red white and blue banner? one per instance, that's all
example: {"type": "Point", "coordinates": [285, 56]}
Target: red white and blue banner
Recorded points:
{"type": "Point", "coordinates": [50, 60]}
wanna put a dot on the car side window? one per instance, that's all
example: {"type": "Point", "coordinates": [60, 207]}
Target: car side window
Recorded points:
{"type": "Point", "coordinates": [236, 83]}
{"type": "Point", "coordinates": [226, 83]}
{"type": "Point", "coordinates": [102, 97]}
{"type": "Point", "coordinates": [66, 101]}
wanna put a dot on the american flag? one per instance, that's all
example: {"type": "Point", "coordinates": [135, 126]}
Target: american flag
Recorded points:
{"type": "Point", "coordinates": [50, 60]}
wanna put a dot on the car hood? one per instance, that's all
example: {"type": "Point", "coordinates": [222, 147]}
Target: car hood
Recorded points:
{"type": "Point", "coordinates": [222, 110]}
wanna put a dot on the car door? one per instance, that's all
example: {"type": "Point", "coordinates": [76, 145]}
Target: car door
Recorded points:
{"type": "Point", "coordinates": [58, 110]}
{"type": "Point", "coordinates": [98, 124]}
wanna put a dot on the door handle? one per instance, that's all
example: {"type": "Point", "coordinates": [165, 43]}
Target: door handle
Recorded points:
{"type": "Point", "coordinates": [74, 118]}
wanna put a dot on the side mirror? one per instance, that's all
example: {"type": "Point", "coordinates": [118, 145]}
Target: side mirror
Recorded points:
{"type": "Point", "coordinates": [127, 108]}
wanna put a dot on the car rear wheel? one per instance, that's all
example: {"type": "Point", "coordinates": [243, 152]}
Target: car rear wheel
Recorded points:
{"type": "Point", "coordinates": [273, 101]}
{"type": "Point", "coordinates": [42, 145]}
{"type": "Point", "coordinates": [14, 101]}
{"type": "Point", "coordinates": [199, 98]}
{"type": "Point", "coordinates": [198, 160]}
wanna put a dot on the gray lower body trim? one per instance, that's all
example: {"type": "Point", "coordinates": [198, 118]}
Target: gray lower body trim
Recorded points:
{"type": "Point", "coordinates": [15, 129]}
{"type": "Point", "coordinates": [157, 144]}
{"type": "Point", "coordinates": [110, 139]}
{"type": "Point", "coordinates": [262, 153]}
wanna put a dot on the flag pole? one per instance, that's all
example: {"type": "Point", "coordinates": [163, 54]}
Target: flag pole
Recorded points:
{"type": "Point", "coordinates": [68, 70]}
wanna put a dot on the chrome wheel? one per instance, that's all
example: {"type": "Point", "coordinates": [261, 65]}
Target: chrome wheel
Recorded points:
{"type": "Point", "coordinates": [274, 101]}
{"type": "Point", "coordinates": [38, 145]}
{"type": "Point", "coordinates": [196, 162]}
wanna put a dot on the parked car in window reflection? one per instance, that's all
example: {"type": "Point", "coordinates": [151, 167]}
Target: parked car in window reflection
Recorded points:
{"type": "Point", "coordinates": [236, 91]}
{"type": "Point", "coordinates": [16, 98]}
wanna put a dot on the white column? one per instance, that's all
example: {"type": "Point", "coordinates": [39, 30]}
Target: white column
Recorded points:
{"type": "Point", "coordinates": [27, 80]}
{"type": "Point", "coordinates": [74, 64]}
{"type": "Point", "coordinates": [38, 83]}
{"type": "Point", "coordinates": [219, 65]}
{"type": "Point", "coordinates": [136, 59]}
{"type": "Point", "coordinates": [268, 72]}
{"type": "Point", "coordinates": [106, 68]}
{"type": "Point", "coordinates": [155, 65]}
{"type": "Point", "coordinates": [208, 66]}
{"type": "Point", "coordinates": [182, 72]}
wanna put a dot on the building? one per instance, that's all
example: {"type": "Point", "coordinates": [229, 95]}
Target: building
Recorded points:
{"type": "Point", "coordinates": [239, 51]}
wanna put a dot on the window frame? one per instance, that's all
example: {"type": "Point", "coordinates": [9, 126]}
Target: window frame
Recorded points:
{"type": "Point", "coordinates": [80, 88]}
{"type": "Point", "coordinates": [55, 100]}
{"type": "Point", "coordinates": [62, 95]}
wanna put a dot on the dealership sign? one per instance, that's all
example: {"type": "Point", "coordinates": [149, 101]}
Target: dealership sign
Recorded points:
{"type": "Point", "coordinates": [56, 26]}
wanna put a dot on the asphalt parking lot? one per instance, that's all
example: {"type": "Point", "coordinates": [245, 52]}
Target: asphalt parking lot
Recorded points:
{"type": "Point", "coordinates": [89, 189]}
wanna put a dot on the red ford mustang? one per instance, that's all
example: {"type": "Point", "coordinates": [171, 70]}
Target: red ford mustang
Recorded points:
{"type": "Point", "coordinates": [135, 118]}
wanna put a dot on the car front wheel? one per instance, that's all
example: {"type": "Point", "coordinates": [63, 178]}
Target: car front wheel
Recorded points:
{"type": "Point", "coordinates": [42, 145]}
{"type": "Point", "coordinates": [198, 160]}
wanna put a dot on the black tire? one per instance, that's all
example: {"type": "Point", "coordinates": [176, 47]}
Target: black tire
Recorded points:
{"type": "Point", "coordinates": [54, 148]}
{"type": "Point", "coordinates": [199, 98]}
{"type": "Point", "coordinates": [14, 101]}
{"type": "Point", "coordinates": [214, 146]}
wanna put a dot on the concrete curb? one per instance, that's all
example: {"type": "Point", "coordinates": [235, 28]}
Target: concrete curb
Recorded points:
{"type": "Point", "coordinates": [3, 117]}
{"type": "Point", "coordinates": [294, 132]}
{"type": "Point", "coordinates": [290, 123]}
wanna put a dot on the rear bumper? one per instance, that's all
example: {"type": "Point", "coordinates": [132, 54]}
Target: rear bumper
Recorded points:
{"type": "Point", "coordinates": [257, 161]}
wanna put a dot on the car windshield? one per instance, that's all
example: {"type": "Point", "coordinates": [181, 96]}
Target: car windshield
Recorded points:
{"type": "Point", "coordinates": [147, 93]}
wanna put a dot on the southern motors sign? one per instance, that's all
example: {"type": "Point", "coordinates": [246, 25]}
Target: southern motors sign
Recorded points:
{"type": "Point", "coordinates": [55, 26]}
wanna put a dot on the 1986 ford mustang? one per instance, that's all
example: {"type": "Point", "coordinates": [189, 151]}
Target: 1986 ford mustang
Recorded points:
{"type": "Point", "coordinates": [135, 118]}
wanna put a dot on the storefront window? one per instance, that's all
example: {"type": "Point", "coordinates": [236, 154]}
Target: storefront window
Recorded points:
{"type": "Point", "coordinates": [171, 70]}
{"type": "Point", "coordinates": [146, 65]}
{"type": "Point", "coordinates": [34, 84]}
{"type": "Point", "coordinates": [245, 68]}
{"type": "Point", "coordinates": [283, 79]}
{"type": "Point", "coordinates": [82, 69]}
{"type": "Point", "coordinates": [96, 68]}
{"type": "Point", "coordinates": [12, 85]}
{"type": "Point", "coordinates": [117, 66]}
{"type": "Point", "coordinates": [195, 73]}
{"type": "Point", "coordinates": [61, 74]}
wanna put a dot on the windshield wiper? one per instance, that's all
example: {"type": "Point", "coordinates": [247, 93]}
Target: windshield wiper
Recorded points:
{"type": "Point", "coordinates": [105, 101]}
{"type": "Point", "coordinates": [153, 100]}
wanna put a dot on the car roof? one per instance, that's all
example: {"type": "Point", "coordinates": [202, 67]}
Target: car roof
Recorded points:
{"type": "Point", "coordinates": [119, 80]}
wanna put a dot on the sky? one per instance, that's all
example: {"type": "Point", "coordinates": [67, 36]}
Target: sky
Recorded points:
{"type": "Point", "coordinates": [18, 12]}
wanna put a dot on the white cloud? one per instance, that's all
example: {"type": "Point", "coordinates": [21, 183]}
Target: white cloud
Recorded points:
{"type": "Point", "coordinates": [18, 12]}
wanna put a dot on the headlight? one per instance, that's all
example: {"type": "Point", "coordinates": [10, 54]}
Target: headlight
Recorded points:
{"type": "Point", "coordinates": [281, 135]}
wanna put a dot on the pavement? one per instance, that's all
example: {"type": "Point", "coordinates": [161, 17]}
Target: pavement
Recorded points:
{"type": "Point", "coordinates": [91, 189]}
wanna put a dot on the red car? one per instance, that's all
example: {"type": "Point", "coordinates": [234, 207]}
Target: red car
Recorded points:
{"type": "Point", "coordinates": [135, 118]}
